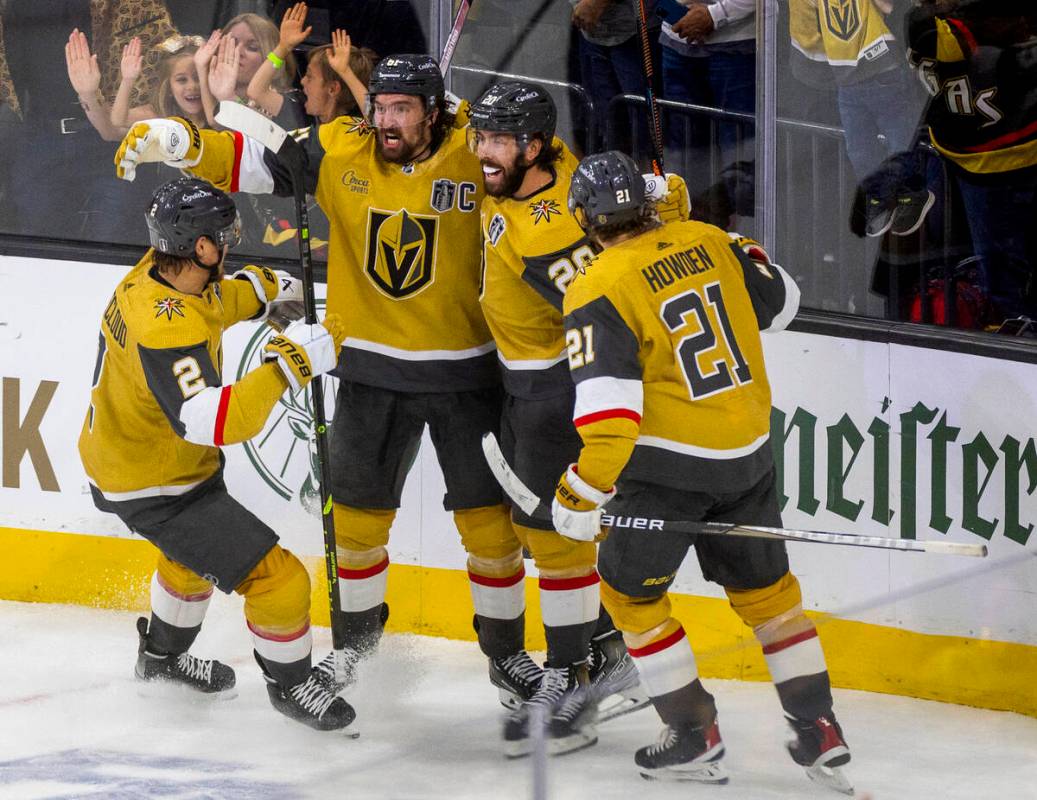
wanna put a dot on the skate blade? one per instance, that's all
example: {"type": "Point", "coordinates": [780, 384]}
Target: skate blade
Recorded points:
{"type": "Point", "coordinates": [168, 690]}
{"type": "Point", "coordinates": [619, 705]}
{"type": "Point", "coordinates": [831, 778]}
{"type": "Point", "coordinates": [571, 744]}
{"type": "Point", "coordinates": [709, 772]}
{"type": "Point", "coordinates": [508, 699]}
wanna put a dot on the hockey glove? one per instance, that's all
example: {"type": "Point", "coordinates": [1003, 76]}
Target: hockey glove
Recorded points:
{"type": "Point", "coordinates": [303, 350]}
{"type": "Point", "coordinates": [576, 508]}
{"type": "Point", "coordinates": [280, 295]}
{"type": "Point", "coordinates": [175, 141]}
{"type": "Point", "coordinates": [670, 194]}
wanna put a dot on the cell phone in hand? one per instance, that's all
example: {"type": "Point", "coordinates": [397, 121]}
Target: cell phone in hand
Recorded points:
{"type": "Point", "coordinates": [670, 10]}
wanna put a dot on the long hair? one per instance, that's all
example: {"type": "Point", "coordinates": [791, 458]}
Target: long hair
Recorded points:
{"type": "Point", "coordinates": [162, 99]}
{"type": "Point", "coordinates": [361, 61]}
{"type": "Point", "coordinates": [267, 35]}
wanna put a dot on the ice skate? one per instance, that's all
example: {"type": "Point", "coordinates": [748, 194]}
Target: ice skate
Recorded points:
{"type": "Point", "coordinates": [310, 702]}
{"type": "Point", "coordinates": [685, 753]}
{"type": "Point", "coordinates": [573, 730]}
{"type": "Point", "coordinates": [616, 684]}
{"type": "Point", "coordinates": [351, 657]}
{"type": "Point", "coordinates": [517, 678]}
{"type": "Point", "coordinates": [819, 747]}
{"type": "Point", "coordinates": [206, 676]}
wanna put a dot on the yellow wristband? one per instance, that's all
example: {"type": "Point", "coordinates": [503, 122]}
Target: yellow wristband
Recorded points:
{"type": "Point", "coordinates": [275, 59]}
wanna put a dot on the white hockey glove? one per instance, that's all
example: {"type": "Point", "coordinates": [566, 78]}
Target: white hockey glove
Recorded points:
{"type": "Point", "coordinates": [175, 141]}
{"type": "Point", "coordinates": [670, 194]}
{"type": "Point", "coordinates": [576, 508]}
{"type": "Point", "coordinates": [288, 306]}
{"type": "Point", "coordinates": [303, 350]}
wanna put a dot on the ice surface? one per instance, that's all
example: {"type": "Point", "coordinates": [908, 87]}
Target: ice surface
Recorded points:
{"type": "Point", "coordinates": [72, 725]}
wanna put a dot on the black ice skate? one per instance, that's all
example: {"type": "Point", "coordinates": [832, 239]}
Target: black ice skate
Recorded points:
{"type": "Point", "coordinates": [566, 707]}
{"type": "Point", "coordinates": [309, 702]}
{"type": "Point", "coordinates": [517, 678]}
{"type": "Point", "coordinates": [202, 675]}
{"type": "Point", "coordinates": [819, 747]}
{"type": "Point", "coordinates": [360, 648]}
{"type": "Point", "coordinates": [685, 753]}
{"type": "Point", "coordinates": [616, 684]}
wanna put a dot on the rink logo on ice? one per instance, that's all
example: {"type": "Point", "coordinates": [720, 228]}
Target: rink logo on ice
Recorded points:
{"type": "Point", "coordinates": [107, 773]}
{"type": "Point", "coordinates": [284, 454]}
{"type": "Point", "coordinates": [843, 18]}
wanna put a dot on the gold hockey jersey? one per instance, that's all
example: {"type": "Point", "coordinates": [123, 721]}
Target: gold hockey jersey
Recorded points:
{"type": "Point", "coordinates": [158, 410]}
{"type": "Point", "coordinates": [404, 251]}
{"type": "Point", "coordinates": [663, 336]}
{"type": "Point", "coordinates": [532, 249]}
{"type": "Point", "coordinates": [847, 40]}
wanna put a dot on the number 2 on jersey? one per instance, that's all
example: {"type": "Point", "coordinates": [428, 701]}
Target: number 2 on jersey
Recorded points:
{"type": "Point", "coordinates": [724, 374]}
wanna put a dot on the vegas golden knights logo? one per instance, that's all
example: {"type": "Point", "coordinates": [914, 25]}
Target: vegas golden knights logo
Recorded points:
{"type": "Point", "coordinates": [401, 251]}
{"type": "Point", "coordinates": [843, 18]}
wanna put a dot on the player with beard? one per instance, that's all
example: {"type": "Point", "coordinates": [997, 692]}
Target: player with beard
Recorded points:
{"type": "Point", "coordinates": [401, 191]}
{"type": "Point", "coordinates": [532, 249]}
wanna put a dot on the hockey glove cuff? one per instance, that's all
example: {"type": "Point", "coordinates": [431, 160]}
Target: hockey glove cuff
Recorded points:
{"type": "Point", "coordinates": [175, 141]}
{"type": "Point", "coordinates": [576, 508]}
{"type": "Point", "coordinates": [304, 350]}
{"type": "Point", "coordinates": [670, 194]}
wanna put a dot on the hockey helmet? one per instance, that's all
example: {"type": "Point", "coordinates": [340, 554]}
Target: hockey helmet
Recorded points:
{"type": "Point", "coordinates": [407, 74]}
{"type": "Point", "coordinates": [518, 107]}
{"type": "Point", "coordinates": [606, 188]}
{"type": "Point", "coordinates": [183, 210]}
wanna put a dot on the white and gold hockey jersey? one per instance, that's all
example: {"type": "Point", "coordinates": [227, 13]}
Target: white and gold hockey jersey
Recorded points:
{"type": "Point", "coordinates": [663, 335]}
{"type": "Point", "coordinates": [158, 408]}
{"type": "Point", "coordinates": [404, 251]}
{"type": "Point", "coordinates": [532, 249]}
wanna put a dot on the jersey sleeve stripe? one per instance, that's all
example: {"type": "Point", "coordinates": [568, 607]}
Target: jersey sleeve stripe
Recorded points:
{"type": "Point", "coordinates": [609, 413]}
{"type": "Point", "coordinates": [199, 416]}
{"type": "Point", "coordinates": [221, 416]}
{"type": "Point", "coordinates": [608, 394]}
{"type": "Point", "coordinates": [790, 307]}
{"type": "Point", "coordinates": [251, 173]}
{"type": "Point", "coordinates": [235, 175]}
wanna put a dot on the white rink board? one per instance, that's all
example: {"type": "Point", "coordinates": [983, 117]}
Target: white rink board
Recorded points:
{"type": "Point", "coordinates": [49, 316]}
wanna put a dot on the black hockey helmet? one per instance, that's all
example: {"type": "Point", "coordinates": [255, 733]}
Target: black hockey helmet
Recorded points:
{"type": "Point", "coordinates": [183, 210]}
{"type": "Point", "coordinates": [407, 74]}
{"type": "Point", "coordinates": [606, 188]}
{"type": "Point", "coordinates": [515, 107]}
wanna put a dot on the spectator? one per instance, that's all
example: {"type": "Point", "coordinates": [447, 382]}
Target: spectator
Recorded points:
{"type": "Point", "coordinates": [611, 61]}
{"type": "Point", "coordinates": [384, 26]}
{"type": "Point", "coordinates": [178, 92]}
{"type": "Point", "coordinates": [978, 61]}
{"type": "Point", "coordinates": [709, 59]}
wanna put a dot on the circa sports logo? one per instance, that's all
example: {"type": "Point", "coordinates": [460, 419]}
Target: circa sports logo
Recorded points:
{"type": "Point", "coordinates": [284, 453]}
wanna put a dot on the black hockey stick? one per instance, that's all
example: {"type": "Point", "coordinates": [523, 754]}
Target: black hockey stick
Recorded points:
{"type": "Point", "coordinates": [455, 36]}
{"type": "Point", "coordinates": [656, 131]}
{"type": "Point", "coordinates": [289, 152]}
{"type": "Point", "coordinates": [532, 505]}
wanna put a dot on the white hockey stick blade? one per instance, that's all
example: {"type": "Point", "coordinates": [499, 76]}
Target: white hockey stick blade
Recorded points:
{"type": "Point", "coordinates": [532, 505]}
{"type": "Point", "coordinates": [252, 124]}
{"type": "Point", "coordinates": [520, 494]}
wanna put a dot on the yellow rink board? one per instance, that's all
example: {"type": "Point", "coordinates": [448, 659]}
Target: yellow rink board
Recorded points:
{"type": "Point", "coordinates": [105, 572]}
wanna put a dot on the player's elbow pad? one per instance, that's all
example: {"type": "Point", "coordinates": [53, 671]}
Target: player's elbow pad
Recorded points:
{"type": "Point", "coordinates": [202, 416]}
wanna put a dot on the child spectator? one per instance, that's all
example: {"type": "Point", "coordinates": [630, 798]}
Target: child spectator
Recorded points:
{"type": "Point", "coordinates": [178, 92]}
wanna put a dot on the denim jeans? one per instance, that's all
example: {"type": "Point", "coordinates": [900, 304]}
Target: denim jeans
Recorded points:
{"type": "Point", "coordinates": [721, 80]}
{"type": "Point", "coordinates": [880, 106]}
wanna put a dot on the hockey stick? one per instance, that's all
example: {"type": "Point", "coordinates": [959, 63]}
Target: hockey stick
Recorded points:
{"type": "Point", "coordinates": [289, 152]}
{"type": "Point", "coordinates": [535, 507]}
{"type": "Point", "coordinates": [653, 109]}
{"type": "Point", "coordinates": [455, 36]}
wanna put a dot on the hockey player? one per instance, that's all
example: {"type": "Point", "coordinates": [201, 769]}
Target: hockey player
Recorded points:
{"type": "Point", "coordinates": [150, 443]}
{"type": "Point", "coordinates": [532, 249]}
{"type": "Point", "coordinates": [402, 193]}
{"type": "Point", "coordinates": [672, 400]}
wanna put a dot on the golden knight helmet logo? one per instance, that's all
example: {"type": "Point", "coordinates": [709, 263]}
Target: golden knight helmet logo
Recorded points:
{"type": "Point", "coordinates": [401, 251]}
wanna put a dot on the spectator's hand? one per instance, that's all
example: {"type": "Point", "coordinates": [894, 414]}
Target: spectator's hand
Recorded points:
{"type": "Point", "coordinates": [696, 25]}
{"type": "Point", "coordinates": [223, 70]}
{"type": "Point", "coordinates": [203, 55]}
{"type": "Point", "coordinates": [83, 72]}
{"type": "Point", "coordinates": [292, 31]}
{"type": "Point", "coordinates": [587, 13]}
{"type": "Point", "coordinates": [338, 58]}
{"type": "Point", "coordinates": [132, 61]}
{"type": "Point", "coordinates": [884, 6]}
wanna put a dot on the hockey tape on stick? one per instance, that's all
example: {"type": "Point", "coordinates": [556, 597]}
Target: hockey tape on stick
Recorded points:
{"type": "Point", "coordinates": [454, 37]}
{"type": "Point", "coordinates": [532, 505]}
